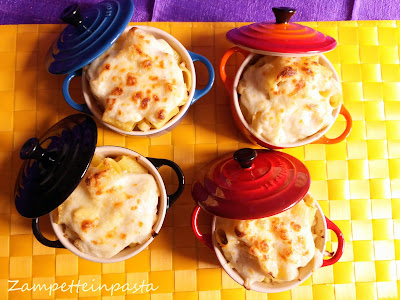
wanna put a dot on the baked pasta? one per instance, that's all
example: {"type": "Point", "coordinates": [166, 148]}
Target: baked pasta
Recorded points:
{"type": "Point", "coordinates": [287, 99]}
{"type": "Point", "coordinates": [140, 82]}
{"type": "Point", "coordinates": [113, 207]}
{"type": "Point", "coordinates": [271, 249]}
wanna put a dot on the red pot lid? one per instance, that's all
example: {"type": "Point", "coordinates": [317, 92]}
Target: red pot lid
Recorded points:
{"type": "Point", "coordinates": [251, 184]}
{"type": "Point", "coordinates": [281, 37]}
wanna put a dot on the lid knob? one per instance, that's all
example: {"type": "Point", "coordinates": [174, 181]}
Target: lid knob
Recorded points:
{"type": "Point", "coordinates": [32, 150]}
{"type": "Point", "coordinates": [245, 157]}
{"type": "Point", "coordinates": [72, 15]}
{"type": "Point", "coordinates": [283, 14]}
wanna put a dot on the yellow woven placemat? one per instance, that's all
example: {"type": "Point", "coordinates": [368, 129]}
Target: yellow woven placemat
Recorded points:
{"type": "Point", "coordinates": [357, 182]}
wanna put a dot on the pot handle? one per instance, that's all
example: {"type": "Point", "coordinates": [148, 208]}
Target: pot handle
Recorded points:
{"type": "Point", "coordinates": [65, 90]}
{"type": "Point", "coordinates": [211, 76]}
{"type": "Point", "coordinates": [228, 82]}
{"type": "Point", "coordinates": [332, 226]}
{"type": "Point", "coordinates": [206, 239]}
{"type": "Point", "coordinates": [158, 162]}
{"type": "Point", "coordinates": [39, 236]}
{"type": "Point", "coordinates": [349, 123]}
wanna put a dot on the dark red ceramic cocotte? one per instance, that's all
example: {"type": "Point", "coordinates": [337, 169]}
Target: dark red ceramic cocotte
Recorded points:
{"type": "Point", "coordinates": [252, 184]}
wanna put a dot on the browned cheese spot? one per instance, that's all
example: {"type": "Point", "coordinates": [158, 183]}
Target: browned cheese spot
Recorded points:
{"type": "Point", "coordinates": [299, 85]}
{"type": "Point", "coordinates": [276, 224]}
{"type": "Point", "coordinates": [282, 256]}
{"type": "Point", "coordinates": [140, 224]}
{"type": "Point", "coordinates": [119, 112]}
{"type": "Point", "coordinates": [277, 92]}
{"type": "Point", "coordinates": [107, 67]}
{"type": "Point", "coordinates": [308, 71]}
{"type": "Point", "coordinates": [155, 97]}
{"type": "Point", "coordinates": [130, 79]}
{"type": "Point", "coordinates": [148, 92]}
{"type": "Point", "coordinates": [154, 78]}
{"type": "Point", "coordinates": [287, 71]}
{"type": "Point", "coordinates": [138, 50]}
{"type": "Point", "coordinates": [283, 233]}
{"type": "Point", "coordinates": [260, 222]}
{"type": "Point", "coordinates": [288, 251]}
{"type": "Point", "coordinates": [170, 87]}
{"type": "Point", "coordinates": [161, 114]}
{"type": "Point", "coordinates": [311, 106]}
{"type": "Point", "coordinates": [87, 224]}
{"type": "Point", "coordinates": [238, 232]}
{"type": "Point", "coordinates": [122, 236]}
{"type": "Point", "coordinates": [94, 180]}
{"type": "Point", "coordinates": [295, 226]}
{"type": "Point", "coordinates": [263, 246]}
{"type": "Point", "coordinates": [118, 91]}
{"type": "Point", "coordinates": [136, 96]}
{"type": "Point", "coordinates": [146, 64]}
{"type": "Point", "coordinates": [111, 103]}
{"type": "Point", "coordinates": [111, 190]}
{"type": "Point", "coordinates": [162, 64]}
{"type": "Point", "coordinates": [110, 234]}
{"type": "Point", "coordinates": [132, 30]}
{"type": "Point", "coordinates": [117, 204]}
{"type": "Point", "coordinates": [144, 103]}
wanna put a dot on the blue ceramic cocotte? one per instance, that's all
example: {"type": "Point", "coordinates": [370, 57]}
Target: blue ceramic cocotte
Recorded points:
{"type": "Point", "coordinates": [90, 34]}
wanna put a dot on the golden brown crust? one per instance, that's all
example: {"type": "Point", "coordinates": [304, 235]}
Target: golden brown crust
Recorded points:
{"type": "Point", "coordinates": [87, 224]}
{"type": "Point", "coordinates": [130, 79]}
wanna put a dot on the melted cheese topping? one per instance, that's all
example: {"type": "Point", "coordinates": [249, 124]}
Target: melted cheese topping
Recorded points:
{"type": "Point", "coordinates": [109, 211]}
{"type": "Point", "coordinates": [271, 249]}
{"type": "Point", "coordinates": [139, 77]}
{"type": "Point", "coordinates": [286, 99]}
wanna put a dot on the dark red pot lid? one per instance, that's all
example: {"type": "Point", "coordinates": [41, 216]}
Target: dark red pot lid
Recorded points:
{"type": "Point", "coordinates": [54, 165]}
{"type": "Point", "coordinates": [281, 37]}
{"type": "Point", "coordinates": [251, 184]}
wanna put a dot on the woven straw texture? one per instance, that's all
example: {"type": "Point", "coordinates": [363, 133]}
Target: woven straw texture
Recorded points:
{"type": "Point", "coordinates": [357, 182]}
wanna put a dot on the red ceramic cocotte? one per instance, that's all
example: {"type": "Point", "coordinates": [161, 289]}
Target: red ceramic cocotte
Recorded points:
{"type": "Point", "coordinates": [253, 184]}
{"type": "Point", "coordinates": [279, 39]}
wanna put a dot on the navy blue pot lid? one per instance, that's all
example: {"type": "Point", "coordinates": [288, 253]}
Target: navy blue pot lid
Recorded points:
{"type": "Point", "coordinates": [89, 34]}
{"type": "Point", "coordinates": [54, 165]}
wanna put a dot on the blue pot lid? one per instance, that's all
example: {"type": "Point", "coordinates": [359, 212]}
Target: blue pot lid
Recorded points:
{"type": "Point", "coordinates": [54, 165]}
{"type": "Point", "coordinates": [89, 34]}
